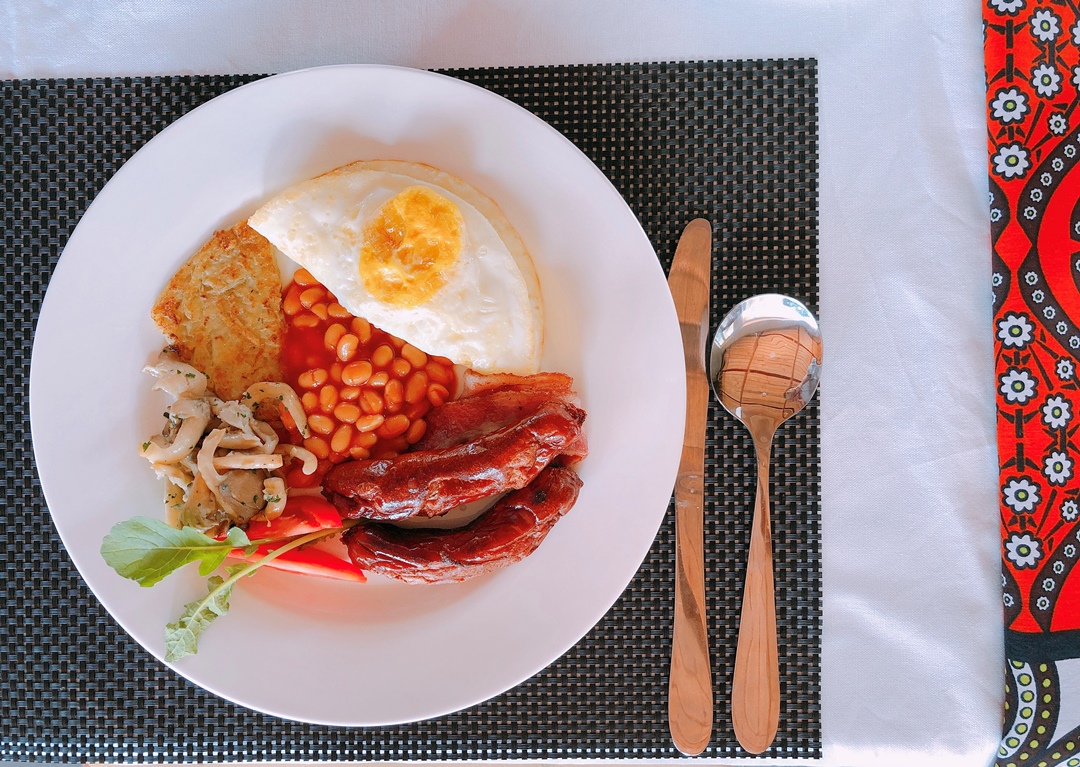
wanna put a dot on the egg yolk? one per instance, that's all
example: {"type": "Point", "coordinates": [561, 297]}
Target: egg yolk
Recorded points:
{"type": "Point", "coordinates": [409, 246]}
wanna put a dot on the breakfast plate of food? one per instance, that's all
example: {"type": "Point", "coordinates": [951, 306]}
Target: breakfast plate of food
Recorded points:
{"type": "Point", "coordinates": [380, 395]}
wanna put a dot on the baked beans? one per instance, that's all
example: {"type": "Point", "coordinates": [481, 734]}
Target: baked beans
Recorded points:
{"type": "Point", "coordinates": [365, 392]}
{"type": "Point", "coordinates": [303, 279]}
{"type": "Point", "coordinates": [356, 373]}
{"type": "Point", "coordinates": [333, 335]}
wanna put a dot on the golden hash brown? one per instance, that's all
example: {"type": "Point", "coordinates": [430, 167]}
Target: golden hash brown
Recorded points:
{"type": "Point", "coordinates": [222, 311]}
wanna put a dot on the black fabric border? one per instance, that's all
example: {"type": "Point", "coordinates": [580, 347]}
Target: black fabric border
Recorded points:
{"type": "Point", "coordinates": [1039, 648]}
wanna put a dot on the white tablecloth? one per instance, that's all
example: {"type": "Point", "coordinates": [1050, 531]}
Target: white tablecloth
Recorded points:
{"type": "Point", "coordinates": [912, 660]}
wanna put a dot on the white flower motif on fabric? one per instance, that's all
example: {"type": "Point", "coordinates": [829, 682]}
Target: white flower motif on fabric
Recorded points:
{"type": "Point", "coordinates": [995, 215]}
{"type": "Point", "coordinates": [1038, 296]}
{"type": "Point", "coordinates": [1062, 328]}
{"type": "Point", "coordinates": [1070, 510]}
{"type": "Point", "coordinates": [1074, 342]}
{"type": "Point", "coordinates": [1046, 80]}
{"type": "Point", "coordinates": [1023, 550]}
{"type": "Point", "coordinates": [1045, 25]}
{"type": "Point", "coordinates": [1065, 369]}
{"type": "Point", "coordinates": [1010, 8]}
{"type": "Point", "coordinates": [1069, 550]}
{"type": "Point", "coordinates": [1069, 150]}
{"type": "Point", "coordinates": [1008, 600]}
{"type": "Point", "coordinates": [1059, 567]}
{"type": "Point", "coordinates": [1057, 124]}
{"type": "Point", "coordinates": [1031, 278]}
{"type": "Point", "coordinates": [1017, 386]}
{"type": "Point", "coordinates": [1006, 7]}
{"type": "Point", "coordinates": [1020, 495]}
{"type": "Point", "coordinates": [1057, 164]}
{"type": "Point", "coordinates": [1036, 195]}
{"type": "Point", "coordinates": [1043, 603]}
{"type": "Point", "coordinates": [1057, 412]}
{"type": "Point", "coordinates": [1015, 330]}
{"type": "Point", "coordinates": [1009, 106]}
{"type": "Point", "coordinates": [1058, 468]}
{"type": "Point", "coordinates": [1011, 161]}
{"type": "Point", "coordinates": [1030, 213]}
{"type": "Point", "coordinates": [1049, 584]}
{"type": "Point", "coordinates": [1049, 312]}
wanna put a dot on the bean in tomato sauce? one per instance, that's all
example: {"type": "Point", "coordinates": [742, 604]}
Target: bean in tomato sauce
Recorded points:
{"type": "Point", "coordinates": [365, 392]}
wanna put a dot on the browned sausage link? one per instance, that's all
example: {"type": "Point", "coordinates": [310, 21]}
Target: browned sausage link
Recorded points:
{"type": "Point", "coordinates": [430, 483]}
{"type": "Point", "coordinates": [509, 531]}
{"type": "Point", "coordinates": [490, 402]}
{"type": "Point", "coordinates": [463, 420]}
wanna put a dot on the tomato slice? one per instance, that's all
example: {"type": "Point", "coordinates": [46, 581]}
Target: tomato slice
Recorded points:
{"type": "Point", "coordinates": [307, 561]}
{"type": "Point", "coordinates": [303, 514]}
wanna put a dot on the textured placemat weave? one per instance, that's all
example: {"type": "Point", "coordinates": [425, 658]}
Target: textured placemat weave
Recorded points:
{"type": "Point", "coordinates": [733, 141]}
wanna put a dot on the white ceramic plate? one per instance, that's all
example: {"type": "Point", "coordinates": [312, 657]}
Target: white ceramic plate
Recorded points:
{"type": "Point", "coordinates": [378, 653]}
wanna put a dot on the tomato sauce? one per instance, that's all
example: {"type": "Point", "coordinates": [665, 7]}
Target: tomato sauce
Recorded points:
{"type": "Point", "coordinates": [365, 391]}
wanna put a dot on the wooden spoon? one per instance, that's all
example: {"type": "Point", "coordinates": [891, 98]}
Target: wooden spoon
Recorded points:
{"type": "Point", "coordinates": [764, 367]}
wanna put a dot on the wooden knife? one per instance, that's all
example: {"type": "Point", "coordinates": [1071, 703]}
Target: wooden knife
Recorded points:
{"type": "Point", "coordinates": [690, 693]}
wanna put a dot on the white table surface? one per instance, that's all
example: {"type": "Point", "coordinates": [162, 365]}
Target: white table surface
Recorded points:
{"type": "Point", "coordinates": [912, 658]}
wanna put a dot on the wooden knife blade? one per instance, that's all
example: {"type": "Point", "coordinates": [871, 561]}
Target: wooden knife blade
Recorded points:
{"type": "Point", "coordinates": [690, 693]}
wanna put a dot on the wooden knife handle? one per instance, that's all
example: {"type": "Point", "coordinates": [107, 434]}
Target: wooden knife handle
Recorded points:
{"type": "Point", "coordinates": [690, 695]}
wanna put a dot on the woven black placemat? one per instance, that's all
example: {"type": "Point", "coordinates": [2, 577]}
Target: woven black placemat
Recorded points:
{"type": "Point", "coordinates": [733, 141]}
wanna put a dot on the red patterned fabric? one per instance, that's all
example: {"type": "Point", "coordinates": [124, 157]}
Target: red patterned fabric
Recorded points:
{"type": "Point", "coordinates": [1032, 52]}
{"type": "Point", "coordinates": [1033, 76]}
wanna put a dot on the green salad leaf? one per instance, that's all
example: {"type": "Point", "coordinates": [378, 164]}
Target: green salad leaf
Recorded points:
{"type": "Point", "coordinates": [146, 550]}
{"type": "Point", "coordinates": [182, 637]}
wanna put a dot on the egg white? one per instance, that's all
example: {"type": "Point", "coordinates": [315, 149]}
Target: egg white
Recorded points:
{"type": "Point", "coordinates": [487, 315]}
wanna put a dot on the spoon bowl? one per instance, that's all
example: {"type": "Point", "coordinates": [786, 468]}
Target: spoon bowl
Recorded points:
{"type": "Point", "coordinates": [764, 366]}
{"type": "Point", "coordinates": [765, 359]}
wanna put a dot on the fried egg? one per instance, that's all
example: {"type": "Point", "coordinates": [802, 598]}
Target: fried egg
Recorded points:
{"type": "Point", "coordinates": [419, 254]}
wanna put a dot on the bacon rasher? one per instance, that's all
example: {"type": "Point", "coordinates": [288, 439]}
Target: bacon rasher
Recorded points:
{"type": "Point", "coordinates": [491, 402]}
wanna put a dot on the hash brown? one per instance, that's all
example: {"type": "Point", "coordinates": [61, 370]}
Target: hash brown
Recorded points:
{"type": "Point", "coordinates": [222, 311]}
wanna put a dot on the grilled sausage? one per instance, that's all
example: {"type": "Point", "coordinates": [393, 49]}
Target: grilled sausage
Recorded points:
{"type": "Point", "coordinates": [507, 532]}
{"type": "Point", "coordinates": [429, 483]}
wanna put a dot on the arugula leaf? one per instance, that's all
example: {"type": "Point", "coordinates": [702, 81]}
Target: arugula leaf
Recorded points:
{"type": "Point", "coordinates": [182, 637]}
{"type": "Point", "coordinates": [146, 550]}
